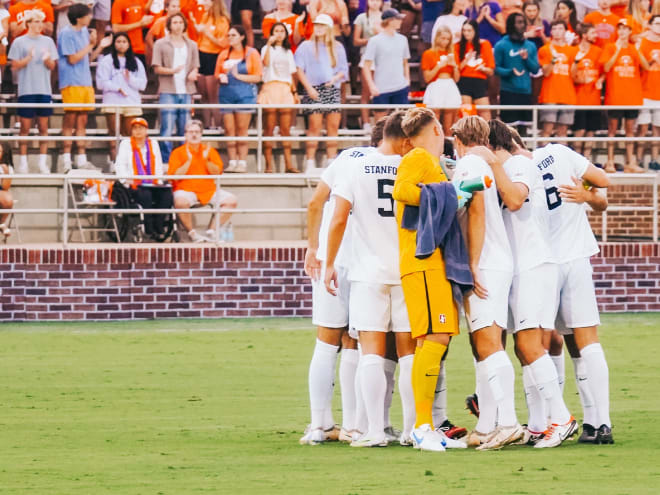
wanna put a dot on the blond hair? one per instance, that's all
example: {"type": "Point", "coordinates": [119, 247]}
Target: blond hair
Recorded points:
{"type": "Point", "coordinates": [216, 11]}
{"type": "Point", "coordinates": [442, 29]}
{"type": "Point", "coordinates": [416, 119]}
{"type": "Point", "coordinates": [471, 131]}
{"type": "Point", "coordinates": [329, 42]}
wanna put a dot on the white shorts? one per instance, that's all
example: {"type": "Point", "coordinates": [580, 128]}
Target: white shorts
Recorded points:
{"type": "Point", "coordinates": [650, 114]}
{"type": "Point", "coordinates": [378, 308]}
{"type": "Point", "coordinates": [481, 313]}
{"type": "Point", "coordinates": [327, 310]}
{"type": "Point", "coordinates": [577, 297]}
{"type": "Point", "coordinates": [442, 93]}
{"type": "Point", "coordinates": [534, 298]}
{"type": "Point", "coordinates": [219, 197]}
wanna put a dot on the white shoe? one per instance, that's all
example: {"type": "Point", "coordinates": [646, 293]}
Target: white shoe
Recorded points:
{"type": "Point", "coordinates": [451, 443]}
{"type": "Point", "coordinates": [241, 167]}
{"type": "Point", "coordinates": [210, 234]}
{"type": "Point", "coordinates": [66, 167]}
{"type": "Point", "coordinates": [426, 438]}
{"type": "Point", "coordinates": [367, 128]}
{"type": "Point", "coordinates": [196, 238]}
{"type": "Point", "coordinates": [310, 165]}
{"type": "Point", "coordinates": [88, 166]}
{"type": "Point", "coordinates": [529, 437]}
{"type": "Point", "coordinates": [44, 169]}
{"type": "Point", "coordinates": [22, 168]}
{"type": "Point", "coordinates": [346, 436]}
{"type": "Point", "coordinates": [232, 166]}
{"type": "Point", "coordinates": [4, 230]}
{"type": "Point", "coordinates": [370, 441]}
{"type": "Point", "coordinates": [313, 437]}
{"type": "Point", "coordinates": [504, 436]}
{"type": "Point", "coordinates": [556, 434]}
{"type": "Point", "coordinates": [392, 435]}
{"type": "Point", "coordinates": [405, 440]}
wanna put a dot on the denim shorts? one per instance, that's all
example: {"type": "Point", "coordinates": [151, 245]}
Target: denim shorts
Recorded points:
{"type": "Point", "coordinates": [30, 113]}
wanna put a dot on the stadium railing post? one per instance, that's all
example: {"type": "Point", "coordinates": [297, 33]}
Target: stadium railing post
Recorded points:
{"type": "Point", "coordinates": [259, 136]}
{"type": "Point", "coordinates": [117, 130]}
{"type": "Point", "coordinates": [65, 217]}
{"type": "Point", "coordinates": [535, 127]}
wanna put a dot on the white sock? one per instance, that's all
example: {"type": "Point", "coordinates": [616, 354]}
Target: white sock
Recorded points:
{"type": "Point", "coordinates": [66, 159]}
{"type": "Point", "coordinates": [321, 379]}
{"type": "Point", "coordinates": [406, 393]}
{"type": "Point", "coordinates": [599, 381]}
{"type": "Point", "coordinates": [374, 386]}
{"type": "Point", "coordinates": [361, 422]}
{"type": "Point", "coordinates": [440, 398]}
{"type": "Point", "coordinates": [347, 368]}
{"type": "Point", "coordinates": [42, 160]}
{"type": "Point", "coordinates": [545, 377]}
{"type": "Point", "coordinates": [501, 379]}
{"type": "Point", "coordinates": [487, 406]}
{"type": "Point", "coordinates": [590, 416]}
{"type": "Point", "coordinates": [23, 161]}
{"type": "Point", "coordinates": [561, 369]}
{"type": "Point", "coordinates": [81, 159]}
{"type": "Point", "coordinates": [390, 368]}
{"type": "Point", "coordinates": [535, 403]}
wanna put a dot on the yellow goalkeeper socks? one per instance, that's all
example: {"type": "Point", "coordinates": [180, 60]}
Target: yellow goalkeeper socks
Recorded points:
{"type": "Point", "coordinates": [426, 368]}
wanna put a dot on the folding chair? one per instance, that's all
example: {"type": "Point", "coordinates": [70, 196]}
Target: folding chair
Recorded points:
{"type": "Point", "coordinates": [78, 203]}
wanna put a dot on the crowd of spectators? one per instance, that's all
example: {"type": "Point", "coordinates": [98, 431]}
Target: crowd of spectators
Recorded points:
{"type": "Point", "coordinates": [463, 52]}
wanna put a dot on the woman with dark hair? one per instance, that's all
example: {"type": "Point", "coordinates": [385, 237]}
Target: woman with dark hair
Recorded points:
{"type": "Point", "coordinates": [565, 11]}
{"type": "Point", "coordinates": [279, 88]}
{"type": "Point", "coordinates": [538, 30]}
{"type": "Point", "coordinates": [475, 63]}
{"type": "Point", "coordinates": [452, 17]}
{"type": "Point", "coordinates": [489, 17]}
{"type": "Point", "coordinates": [121, 77]}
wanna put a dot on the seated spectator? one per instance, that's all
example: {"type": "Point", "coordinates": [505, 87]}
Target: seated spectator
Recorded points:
{"type": "Point", "coordinates": [121, 76]}
{"type": "Point", "coordinates": [431, 10]}
{"type": "Point", "coordinates": [476, 64]}
{"type": "Point", "coordinates": [367, 25]}
{"type": "Point", "coordinates": [176, 63]}
{"type": "Point", "coordinates": [283, 14]}
{"type": "Point", "coordinates": [440, 72]}
{"type": "Point", "coordinates": [452, 17]}
{"type": "Point", "coordinates": [139, 155]}
{"type": "Point", "coordinates": [565, 11]}
{"type": "Point", "coordinates": [650, 114]}
{"type": "Point", "coordinates": [131, 17]}
{"type": "Point", "coordinates": [336, 10]}
{"type": "Point", "coordinates": [489, 17]}
{"type": "Point", "coordinates": [158, 29]}
{"type": "Point", "coordinates": [279, 88]}
{"type": "Point", "coordinates": [17, 18]}
{"type": "Point", "coordinates": [556, 59]}
{"type": "Point", "coordinates": [33, 57]}
{"type": "Point", "coordinates": [538, 30]}
{"type": "Point", "coordinates": [412, 15]}
{"type": "Point", "coordinates": [238, 70]}
{"type": "Point", "coordinates": [242, 13]}
{"type": "Point", "coordinates": [196, 158]}
{"type": "Point", "coordinates": [6, 199]}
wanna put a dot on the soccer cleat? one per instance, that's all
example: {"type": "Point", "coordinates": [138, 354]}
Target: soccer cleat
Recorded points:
{"type": "Point", "coordinates": [332, 433]}
{"type": "Point", "coordinates": [392, 434]}
{"type": "Point", "coordinates": [367, 441]}
{"type": "Point", "coordinates": [451, 430]}
{"type": "Point", "coordinates": [556, 434]}
{"type": "Point", "coordinates": [426, 438]}
{"type": "Point", "coordinates": [405, 440]}
{"type": "Point", "coordinates": [476, 438]}
{"type": "Point", "coordinates": [451, 443]}
{"type": "Point", "coordinates": [313, 437]}
{"type": "Point", "coordinates": [589, 434]}
{"type": "Point", "coordinates": [346, 436]}
{"type": "Point", "coordinates": [504, 435]}
{"type": "Point", "coordinates": [472, 404]}
{"type": "Point", "coordinates": [604, 435]}
{"type": "Point", "coordinates": [529, 437]}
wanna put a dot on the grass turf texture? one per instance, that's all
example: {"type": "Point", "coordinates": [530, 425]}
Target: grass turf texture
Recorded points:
{"type": "Point", "coordinates": [174, 407]}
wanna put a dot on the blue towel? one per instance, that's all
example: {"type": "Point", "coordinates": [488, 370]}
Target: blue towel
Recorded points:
{"type": "Point", "coordinates": [437, 227]}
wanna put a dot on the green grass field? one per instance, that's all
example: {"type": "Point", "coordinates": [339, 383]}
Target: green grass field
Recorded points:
{"type": "Point", "coordinates": [177, 407]}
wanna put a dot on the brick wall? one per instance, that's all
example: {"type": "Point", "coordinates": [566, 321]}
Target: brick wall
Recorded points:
{"type": "Point", "coordinates": [115, 283]}
{"type": "Point", "coordinates": [623, 225]}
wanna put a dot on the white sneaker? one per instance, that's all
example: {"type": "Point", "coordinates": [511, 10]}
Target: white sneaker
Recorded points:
{"type": "Point", "coordinates": [556, 434]}
{"type": "Point", "coordinates": [241, 167]}
{"type": "Point", "coordinates": [451, 443]}
{"type": "Point", "coordinates": [504, 436]}
{"type": "Point", "coordinates": [310, 165]}
{"type": "Point", "coordinates": [392, 434]}
{"type": "Point", "coordinates": [4, 230]}
{"type": "Point", "coordinates": [426, 438]}
{"type": "Point", "coordinates": [22, 168]}
{"type": "Point", "coordinates": [346, 436]}
{"type": "Point", "coordinates": [196, 238]}
{"type": "Point", "coordinates": [210, 234]}
{"type": "Point", "coordinates": [529, 437]}
{"type": "Point", "coordinates": [232, 166]}
{"type": "Point", "coordinates": [66, 167]}
{"type": "Point", "coordinates": [476, 438]}
{"type": "Point", "coordinates": [44, 168]}
{"type": "Point", "coordinates": [313, 437]}
{"type": "Point", "coordinates": [405, 440]}
{"type": "Point", "coordinates": [370, 441]}
{"type": "Point", "coordinates": [367, 128]}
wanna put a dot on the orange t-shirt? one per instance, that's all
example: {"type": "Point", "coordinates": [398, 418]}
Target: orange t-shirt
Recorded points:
{"type": "Point", "coordinates": [624, 83]}
{"type": "Point", "coordinates": [253, 61]}
{"type": "Point", "coordinates": [129, 12]}
{"type": "Point", "coordinates": [651, 78]}
{"type": "Point", "coordinates": [203, 188]}
{"type": "Point", "coordinates": [430, 58]}
{"type": "Point", "coordinates": [486, 56]}
{"type": "Point", "coordinates": [590, 67]}
{"type": "Point", "coordinates": [158, 28]}
{"type": "Point", "coordinates": [605, 27]}
{"type": "Point", "coordinates": [558, 86]}
{"type": "Point", "coordinates": [16, 12]}
{"type": "Point", "coordinates": [191, 7]}
{"type": "Point", "coordinates": [289, 22]}
{"type": "Point", "coordinates": [219, 29]}
{"type": "Point", "coordinates": [621, 9]}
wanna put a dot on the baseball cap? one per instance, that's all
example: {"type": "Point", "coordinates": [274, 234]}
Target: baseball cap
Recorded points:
{"type": "Point", "coordinates": [391, 14]}
{"type": "Point", "coordinates": [139, 121]}
{"type": "Point", "coordinates": [324, 19]}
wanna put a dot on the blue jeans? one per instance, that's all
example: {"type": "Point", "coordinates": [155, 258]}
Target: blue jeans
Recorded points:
{"type": "Point", "coordinates": [171, 118]}
{"type": "Point", "coordinates": [399, 97]}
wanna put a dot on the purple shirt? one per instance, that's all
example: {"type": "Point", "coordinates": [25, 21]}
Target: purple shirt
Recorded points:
{"type": "Point", "coordinates": [486, 30]}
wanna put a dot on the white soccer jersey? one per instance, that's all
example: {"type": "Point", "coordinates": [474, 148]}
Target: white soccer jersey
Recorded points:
{"type": "Point", "coordinates": [346, 159]}
{"type": "Point", "coordinates": [496, 253]}
{"type": "Point", "coordinates": [571, 236]}
{"type": "Point", "coordinates": [528, 228]}
{"type": "Point", "coordinates": [375, 245]}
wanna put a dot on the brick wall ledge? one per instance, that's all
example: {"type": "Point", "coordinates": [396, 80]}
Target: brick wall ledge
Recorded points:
{"type": "Point", "coordinates": [242, 279]}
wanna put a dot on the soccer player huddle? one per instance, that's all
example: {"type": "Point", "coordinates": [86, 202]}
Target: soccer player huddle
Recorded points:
{"type": "Point", "coordinates": [399, 246]}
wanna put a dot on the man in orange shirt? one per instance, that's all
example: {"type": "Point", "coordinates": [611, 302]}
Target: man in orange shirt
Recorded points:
{"type": "Point", "coordinates": [131, 16]}
{"type": "Point", "coordinates": [622, 63]}
{"type": "Point", "coordinates": [195, 158]}
{"type": "Point", "coordinates": [650, 114]}
{"type": "Point", "coordinates": [605, 22]}
{"type": "Point", "coordinates": [556, 59]}
{"type": "Point", "coordinates": [17, 26]}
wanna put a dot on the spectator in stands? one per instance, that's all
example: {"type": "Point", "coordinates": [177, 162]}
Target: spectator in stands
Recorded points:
{"type": "Point", "coordinates": [4, 38]}
{"type": "Point", "coordinates": [121, 76]}
{"type": "Point", "coordinates": [650, 114]}
{"type": "Point", "coordinates": [336, 10]}
{"type": "Point", "coordinates": [131, 17]}
{"type": "Point", "coordinates": [431, 10]}
{"type": "Point", "coordinates": [158, 29]}
{"type": "Point", "coordinates": [196, 158]}
{"type": "Point", "coordinates": [640, 13]}
{"type": "Point", "coordinates": [17, 18]}
{"type": "Point", "coordinates": [33, 57]}
{"type": "Point", "coordinates": [75, 47]}
{"type": "Point", "coordinates": [6, 198]}
{"type": "Point", "coordinates": [452, 17]}
{"type": "Point", "coordinates": [366, 26]}
{"type": "Point", "coordinates": [440, 72]}
{"type": "Point", "coordinates": [101, 13]}
{"type": "Point", "coordinates": [212, 39]}
{"type": "Point", "coordinates": [565, 11]}
{"type": "Point", "coordinates": [137, 156]}
{"type": "Point", "coordinates": [515, 60]}
{"type": "Point", "coordinates": [322, 67]}
{"type": "Point", "coordinates": [412, 14]}
{"type": "Point", "coordinates": [538, 30]}
{"type": "Point", "coordinates": [242, 13]}
{"type": "Point", "coordinates": [279, 67]}
{"type": "Point", "coordinates": [284, 15]}
{"type": "Point", "coordinates": [588, 80]}
{"type": "Point", "coordinates": [511, 6]}
{"type": "Point", "coordinates": [239, 71]}
{"type": "Point", "coordinates": [385, 64]}
{"type": "Point", "coordinates": [622, 64]}
{"type": "Point", "coordinates": [176, 62]}
{"type": "Point", "coordinates": [556, 59]}
{"type": "Point", "coordinates": [475, 63]}
{"type": "Point", "coordinates": [605, 23]}
{"type": "Point", "coordinates": [61, 8]}
{"type": "Point", "coordinates": [489, 17]}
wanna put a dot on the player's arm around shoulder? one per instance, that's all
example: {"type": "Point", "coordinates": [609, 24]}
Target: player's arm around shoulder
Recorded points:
{"type": "Point", "coordinates": [587, 189]}
{"type": "Point", "coordinates": [410, 173]}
